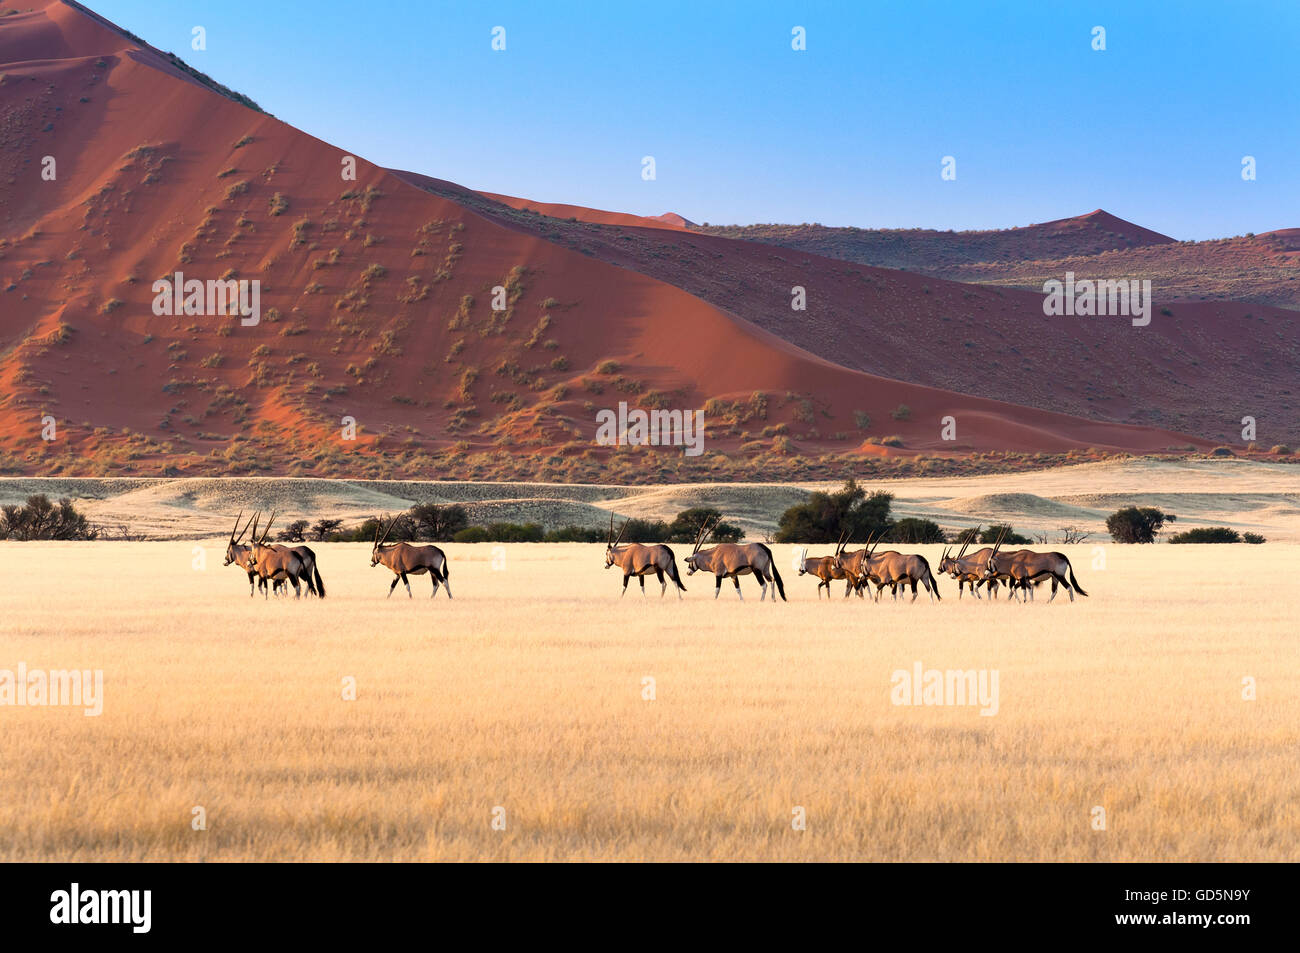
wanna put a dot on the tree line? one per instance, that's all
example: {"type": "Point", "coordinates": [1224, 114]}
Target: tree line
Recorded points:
{"type": "Point", "coordinates": [449, 523]}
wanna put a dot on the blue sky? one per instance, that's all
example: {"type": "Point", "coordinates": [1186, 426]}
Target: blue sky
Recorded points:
{"type": "Point", "coordinates": [743, 129]}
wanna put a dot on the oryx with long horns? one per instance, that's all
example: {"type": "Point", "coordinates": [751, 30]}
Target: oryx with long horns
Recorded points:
{"type": "Point", "coordinates": [735, 560]}
{"type": "Point", "coordinates": [405, 560]}
{"type": "Point", "coordinates": [969, 570]}
{"type": "Point", "coordinates": [855, 566]}
{"type": "Point", "coordinates": [893, 569]}
{"type": "Point", "coordinates": [636, 559]}
{"type": "Point", "coordinates": [1027, 569]}
{"type": "Point", "coordinates": [824, 568]}
{"type": "Point", "coordinates": [310, 574]}
{"type": "Point", "coordinates": [278, 563]}
{"type": "Point", "coordinates": [242, 556]}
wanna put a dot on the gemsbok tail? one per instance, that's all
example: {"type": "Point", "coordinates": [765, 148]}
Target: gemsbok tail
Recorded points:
{"type": "Point", "coordinates": [776, 576]}
{"type": "Point", "coordinates": [929, 577]}
{"type": "Point", "coordinates": [1074, 582]}
{"type": "Point", "coordinates": [320, 583]}
{"type": "Point", "coordinates": [672, 569]}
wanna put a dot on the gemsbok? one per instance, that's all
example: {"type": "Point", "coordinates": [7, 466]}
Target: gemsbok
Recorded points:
{"type": "Point", "coordinates": [735, 560]}
{"type": "Point", "coordinates": [825, 569]}
{"type": "Point", "coordinates": [276, 563]}
{"type": "Point", "coordinates": [405, 560]}
{"type": "Point", "coordinates": [894, 569]}
{"type": "Point", "coordinates": [1027, 568]}
{"type": "Point", "coordinates": [854, 567]}
{"type": "Point", "coordinates": [310, 575]}
{"type": "Point", "coordinates": [969, 570]}
{"type": "Point", "coordinates": [242, 556]}
{"type": "Point", "coordinates": [636, 559]}
{"type": "Point", "coordinates": [1002, 574]}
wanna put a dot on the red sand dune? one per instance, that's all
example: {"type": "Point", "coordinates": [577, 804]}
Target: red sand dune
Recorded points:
{"type": "Point", "coordinates": [1197, 368]}
{"type": "Point", "coordinates": [595, 216]}
{"type": "Point", "coordinates": [1106, 222]}
{"type": "Point", "coordinates": [1288, 239]}
{"type": "Point", "coordinates": [376, 301]}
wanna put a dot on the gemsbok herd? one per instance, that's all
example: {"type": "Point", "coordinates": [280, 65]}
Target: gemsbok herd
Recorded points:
{"type": "Point", "coordinates": [1021, 570]}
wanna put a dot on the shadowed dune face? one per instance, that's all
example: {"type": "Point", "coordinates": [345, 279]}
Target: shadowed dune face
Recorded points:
{"type": "Point", "coordinates": [1180, 372]}
{"type": "Point", "coordinates": [377, 305]}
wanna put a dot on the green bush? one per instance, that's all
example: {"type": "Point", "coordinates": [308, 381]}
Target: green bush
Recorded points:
{"type": "Point", "coordinates": [913, 530]}
{"type": "Point", "coordinates": [40, 518]}
{"type": "Point", "coordinates": [991, 535]}
{"type": "Point", "coordinates": [1134, 524]}
{"type": "Point", "coordinates": [686, 526]}
{"type": "Point", "coordinates": [645, 531]}
{"type": "Point", "coordinates": [1207, 534]}
{"type": "Point", "coordinates": [576, 534]}
{"type": "Point", "coordinates": [823, 517]}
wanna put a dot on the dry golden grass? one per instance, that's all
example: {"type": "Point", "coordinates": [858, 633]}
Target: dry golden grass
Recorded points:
{"type": "Point", "coordinates": [526, 693]}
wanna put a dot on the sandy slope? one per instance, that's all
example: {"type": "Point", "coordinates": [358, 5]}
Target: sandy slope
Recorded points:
{"type": "Point", "coordinates": [581, 213]}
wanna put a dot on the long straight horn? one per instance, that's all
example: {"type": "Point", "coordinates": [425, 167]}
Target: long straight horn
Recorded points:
{"type": "Point", "coordinates": [621, 530]}
{"type": "Point", "coordinates": [1001, 536]}
{"type": "Point", "coordinates": [839, 546]}
{"type": "Point", "coordinates": [267, 532]}
{"type": "Point", "coordinates": [236, 529]}
{"type": "Point", "coordinates": [253, 538]}
{"type": "Point", "coordinates": [966, 545]}
{"type": "Point", "coordinates": [384, 538]}
{"type": "Point", "coordinates": [609, 537]}
{"type": "Point", "coordinates": [699, 540]}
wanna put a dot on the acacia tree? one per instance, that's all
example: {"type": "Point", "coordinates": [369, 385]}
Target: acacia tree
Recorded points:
{"type": "Point", "coordinates": [436, 522]}
{"type": "Point", "coordinates": [40, 518]}
{"type": "Point", "coordinates": [686, 526]}
{"type": "Point", "coordinates": [323, 529]}
{"type": "Point", "coordinates": [1137, 524]}
{"type": "Point", "coordinates": [295, 532]}
{"type": "Point", "coordinates": [823, 517]}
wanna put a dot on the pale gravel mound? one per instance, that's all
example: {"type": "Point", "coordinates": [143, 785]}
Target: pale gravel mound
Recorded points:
{"type": "Point", "coordinates": [1257, 497]}
{"type": "Point", "coordinates": [1022, 505]}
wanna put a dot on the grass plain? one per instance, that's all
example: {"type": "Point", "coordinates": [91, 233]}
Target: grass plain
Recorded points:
{"type": "Point", "coordinates": [526, 693]}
